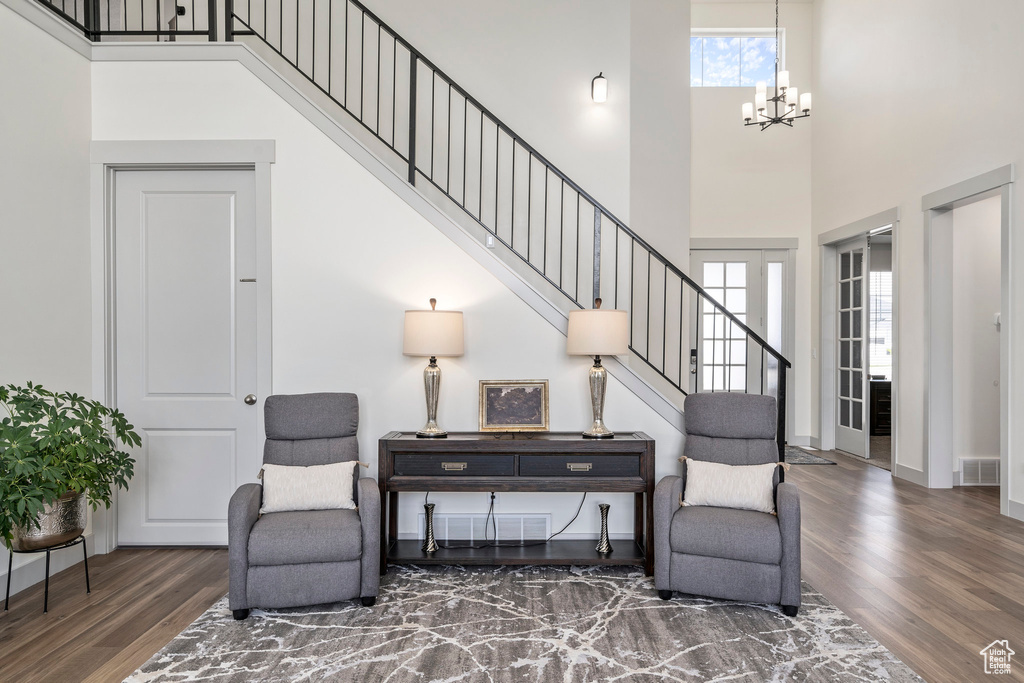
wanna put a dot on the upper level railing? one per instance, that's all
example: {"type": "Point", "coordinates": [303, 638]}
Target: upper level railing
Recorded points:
{"type": "Point", "coordinates": [452, 146]}
{"type": "Point", "coordinates": [164, 20]}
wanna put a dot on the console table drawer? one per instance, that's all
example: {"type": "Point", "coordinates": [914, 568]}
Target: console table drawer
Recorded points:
{"type": "Point", "coordinates": [454, 464]}
{"type": "Point", "coordinates": [579, 465]}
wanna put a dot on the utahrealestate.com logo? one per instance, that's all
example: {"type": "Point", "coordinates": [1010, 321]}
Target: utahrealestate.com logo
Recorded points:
{"type": "Point", "coordinates": [997, 656]}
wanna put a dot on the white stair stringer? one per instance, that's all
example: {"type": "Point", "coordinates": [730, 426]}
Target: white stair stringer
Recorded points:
{"type": "Point", "coordinates": [312, 105]}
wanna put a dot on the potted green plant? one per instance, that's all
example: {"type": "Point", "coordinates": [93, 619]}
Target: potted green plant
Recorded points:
{"type": "Point", "coordinates": [57, 451]}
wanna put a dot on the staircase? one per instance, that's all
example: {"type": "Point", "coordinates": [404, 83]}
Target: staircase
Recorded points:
{"type": "Point", "coordinates": [486, 177]}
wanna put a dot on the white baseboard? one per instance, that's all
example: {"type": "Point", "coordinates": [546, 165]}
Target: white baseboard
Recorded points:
{"type": "Point", "coordinates": [800, 440]}
{"type": "Point", "coordinates": [913, 476]}
{"type": "Point", "coordinates": [815, 442]}
{"type": "Point", "coordinates": [1015, 510]}
{"type": "Point", "coordinates": [30, 569]}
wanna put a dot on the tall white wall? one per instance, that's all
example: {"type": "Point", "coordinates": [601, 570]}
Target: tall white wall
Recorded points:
{"type": "Point", "coordinates": [747, 183]}
{"type": "Point", "coordinates": [976, 300]}
{"type": "Point", "coordinates": [884, 137]}
{"type": "Point", "coordinates": [44, 221]}
{"type": "Point", "coordinates": [348, 258]}
{"type": "Point", "coordinates": [531, 63]}
{"type": "Point", "coordinates": [659, 160]}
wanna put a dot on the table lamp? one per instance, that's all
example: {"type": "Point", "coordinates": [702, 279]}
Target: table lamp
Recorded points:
{"type": "Point", "coordinates": [431, 334]}
{"type": "Point", "coordinates": [597, 333]}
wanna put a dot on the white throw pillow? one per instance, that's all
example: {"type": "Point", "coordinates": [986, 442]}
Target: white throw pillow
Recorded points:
{"type": "Point", "coordinates": [318, 487]}
{"type": "Point", "coordinates": [744, 487]}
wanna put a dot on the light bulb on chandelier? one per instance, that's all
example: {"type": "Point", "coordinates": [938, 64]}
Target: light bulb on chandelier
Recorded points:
{"type": "Point", "coordinates": [787, 103]}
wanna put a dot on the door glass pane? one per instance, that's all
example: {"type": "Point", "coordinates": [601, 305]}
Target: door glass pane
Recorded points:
{"type": "Point", "coordinates": [714, 275]}
{"type": "Point", "coordinates": [844, 354]}
{"type": "Point", "coordinates": [844, 383]}
{"type": "Point", "coordinates": [844, 325]}
{"type": "Point", "coordinates": [844, 269]}
{"type": "Point", "coordinates": [857, 415]}
{"type": "Point", "coordinates": [858, 384]}
{"type": "Point", "coordinates": [844, 412]}
{"type": "Point", "coordinates": [858, 291]}
{"type": "Point", "coordinates": [738, 378]}
{"type": "Point", "coordinates": [736, 275]}
{"type": "Point", "coordinates": [716, 293]}
{"type": "Point", "coordinates": [857, 331]}
{"type": "Point", "coordinates": [856, 354]}
{"type": "Point", "coordinates": [858, 263]}
{"type": "Point", "coordinates": [844, 297]}
{"type": "Point", "coordinates": [736, 300]}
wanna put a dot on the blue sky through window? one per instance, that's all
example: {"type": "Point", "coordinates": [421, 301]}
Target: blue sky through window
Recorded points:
{"type": "Point", "coordinates": [731, 61]}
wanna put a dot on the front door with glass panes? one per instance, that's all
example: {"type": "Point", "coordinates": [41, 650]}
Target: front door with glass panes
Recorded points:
{"type": "Point", "coordinates": [750, 285]}
{"type": "Point", "coordinates": [852, 322]}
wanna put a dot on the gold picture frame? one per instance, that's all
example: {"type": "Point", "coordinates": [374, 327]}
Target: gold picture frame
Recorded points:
{"type": "Point", "coordinates": [514, 405]}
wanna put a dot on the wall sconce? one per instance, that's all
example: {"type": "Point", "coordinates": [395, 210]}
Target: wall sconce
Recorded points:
{"type": "Point", "coordinates": [599, 88]}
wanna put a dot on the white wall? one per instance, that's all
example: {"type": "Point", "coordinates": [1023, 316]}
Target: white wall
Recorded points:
{"type": "Point", "coordinates": [348, 258]}
{"type": "Point", "coordinates": [659, 159]}
{"type": "Point", "coordinates": [884, 137]}
{"type": "Point", "coordinates": [976, 300]}
{"type": "Point", "coordinates": [44, 220]}
{"type": "Point", "coordinates": [531, 63]}
{"type": "Point", "coordinates": [751, 184]}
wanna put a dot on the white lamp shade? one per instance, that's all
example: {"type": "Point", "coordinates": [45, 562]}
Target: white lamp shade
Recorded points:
{"type": "Point", "coordinates": [598, 332]}
{"type": "Point", "coordinates": [433, 333]}
{"type": "Point", "coordinates": [599, 88]}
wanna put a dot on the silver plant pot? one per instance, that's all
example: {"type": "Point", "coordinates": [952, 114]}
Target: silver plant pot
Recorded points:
{"type": "Point", "coordinates": [59, 522]}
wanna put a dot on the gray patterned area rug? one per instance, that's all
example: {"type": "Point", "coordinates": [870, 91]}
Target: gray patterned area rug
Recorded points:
{"type": "Point", "coordinates": [526, 624]}
{"type": "Point", "coordinates": [798, 456]}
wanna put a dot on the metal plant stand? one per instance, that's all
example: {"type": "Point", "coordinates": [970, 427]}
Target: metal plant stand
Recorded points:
{"type": "Point", "coordinates": [46, 589]}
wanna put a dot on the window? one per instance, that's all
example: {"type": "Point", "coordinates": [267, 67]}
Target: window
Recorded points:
{"type": "Point", "coordinates": [733, 60]}
{"type": "Point", "coordinates": [880, 342]}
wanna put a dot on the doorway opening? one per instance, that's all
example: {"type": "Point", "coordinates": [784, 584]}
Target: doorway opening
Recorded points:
{"type": "Point", "coordinates": [859, 302]}
{"type": "Point", "coordinates": [967, 233]}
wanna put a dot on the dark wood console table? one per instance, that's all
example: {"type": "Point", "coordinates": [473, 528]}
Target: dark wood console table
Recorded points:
{"type": "Point", "coordinates": [535, 462]}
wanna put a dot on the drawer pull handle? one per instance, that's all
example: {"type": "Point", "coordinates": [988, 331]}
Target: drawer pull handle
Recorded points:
{"type": "Point", "coordinates": [579, 466]}
{"type": "Point", "coordinates": [453, 466]}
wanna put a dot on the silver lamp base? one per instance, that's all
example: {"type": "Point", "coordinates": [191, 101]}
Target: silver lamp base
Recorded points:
{"type": "Point", "coordinates": [598, 384]}
{"type": "Point", "coordinates": [432, 387]}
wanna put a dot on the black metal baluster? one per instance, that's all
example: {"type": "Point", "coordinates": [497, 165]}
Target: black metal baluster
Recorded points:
{"type": "Point", "coordinates": [544, 251]}
{"type": "Point", "coordinates": [480, 188]}
{"type": "Point", "coordinates": [465, 145]}
{"type": "Point", "coordinates": [781, 427]}
{"type": "Point", "coordinates": [529, 203]}
{"type": "Point", "coordinates": [312, 42]}
{"type": "Point", "coordinates": [448, 140]}
{"type": "Point", "coordinates": [698, 347]}
{"type": "Point", "coordinates": [512, 183]}
{"type": "Point", "coordinates": [345, 73]}
{"type": "Point", "coordinates": [497, 153]}
{"type": "Point", "coordinates": [664, 319]}
{"type": "Point", "coordinates": [647, 354]}
{"type": "Point", "coordinates": [330, 50]}
{"type": "Point", "coordinates": [616, 295]}
{"type": "Point", "coordinates": [376, 125]}
{"type": "Point", "coordinates": [561, 234]}
{"type": "Point", "coordinates": [412, 115]}
{"type": "Point", "coordinates": [394, 87]}
{"type": "Point", "coordinates": [362, 54]}
{"type": "Point", "coordinates": [211, 18]}
{"type": "Point", "coordinates": [682, 311]}
{"type": "Point", "coordinates": [433, 87]}
{"type": "Point", "coordinates": [576, 265]}
{"type": "Point", "coordinates": [597, 253]}
{"type": "Point", "coordinates": [632, 289]}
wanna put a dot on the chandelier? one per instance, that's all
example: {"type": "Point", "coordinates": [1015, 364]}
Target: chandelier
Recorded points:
{"type": "Point", "coordinates": [787, 104]}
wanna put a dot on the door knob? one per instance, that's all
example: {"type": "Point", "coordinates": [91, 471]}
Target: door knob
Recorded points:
{"type": "Point", "coordinates": [250, 400]}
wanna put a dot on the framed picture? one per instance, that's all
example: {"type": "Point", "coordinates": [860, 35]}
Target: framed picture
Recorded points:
{"type": "Point", "coordinates": [514, 405]}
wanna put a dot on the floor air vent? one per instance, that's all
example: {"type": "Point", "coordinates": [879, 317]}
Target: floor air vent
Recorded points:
{"type": "Point", "coordinates": [979, 471]}
{"type": "Point", "coordinates": [476, 527]}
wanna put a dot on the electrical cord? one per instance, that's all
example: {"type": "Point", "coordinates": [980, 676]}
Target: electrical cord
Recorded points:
{"type": "Point", "coordinates": [493, 520]}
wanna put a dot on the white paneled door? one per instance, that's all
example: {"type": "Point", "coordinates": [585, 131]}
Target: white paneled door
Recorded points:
{"type": "Point", "coordinates": [852, 354]}
{"type": "Point", "coordinates": [185, 254]}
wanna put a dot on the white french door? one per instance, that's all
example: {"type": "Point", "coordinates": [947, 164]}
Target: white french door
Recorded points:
{"type": "Point", "coordinates": [728, 360]}
{"type": "Point", "coordinates": [185, 265]}
{"type": "Point", "coordinates": [852, 348]}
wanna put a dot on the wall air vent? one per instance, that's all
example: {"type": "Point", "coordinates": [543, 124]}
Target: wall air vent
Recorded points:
{"type": "Point", "coordinates": [979, 471]}
{"type": "Point", "coordinates": [477, 528]}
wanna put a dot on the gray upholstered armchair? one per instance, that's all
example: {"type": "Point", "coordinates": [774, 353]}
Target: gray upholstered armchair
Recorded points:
{"type": "Point", "coordinates": [305, 557]}
{"type": "Point", "coordinates": [721, 552]}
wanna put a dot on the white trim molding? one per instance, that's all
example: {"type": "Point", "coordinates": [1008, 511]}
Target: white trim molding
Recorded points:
{"type": "Point", "coordinates": [107, 157]}
{"type": "Point", "coordinates": [864, 226]}
{"type": "Point", "coordinates": [761, 243]}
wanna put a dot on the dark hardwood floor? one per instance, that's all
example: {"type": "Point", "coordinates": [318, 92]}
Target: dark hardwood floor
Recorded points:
{"type": "Point", "coordinates": [935, 576]}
